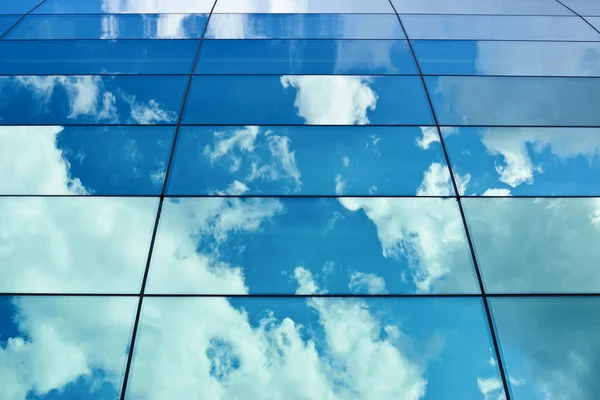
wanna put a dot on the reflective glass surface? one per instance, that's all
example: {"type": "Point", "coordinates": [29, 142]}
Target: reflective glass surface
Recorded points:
{"type": "Point", "coordinates": [307, 100]}
{"type": "Point", "coordinates": [303, 6]}
{"type": "Point", "coordinates": [18, 7]}
{"type": "Point", "coordinates": [584, 7]}
{"type": "Point", "coordinates": [536, 245]}
{"type": "Point", "coordinates": [6, 21]}
{"type": "Point", "coordinates": [125, 7]}
{"type": "Point", "coordinates": [526, 161]}
{"type": "Point", "coordinates": [549, 346]}
{"type": "Point", "coordinates": [309, 160]}
{"type": "Point", "coordinates": [595, 21]}
{"type": "Point", "coordinates": [508, 58]}
{"type": "Point", "coordinates": [306, 57]}
{"type": "Point", "coordinates": [509, 7]}
{"type": "Point", "coordinates": [64, 347]}
{"type": "Point", "coordinates": [98, 57]}
{"type": "Point", "coordinates": [515, 101]}
{"type": "Point", "coordinates": [57, 99]}
{"type": "Point", "coordinates": [304, 26]}
{"type": "Point", "coordinates": [482, 27]}
{"type": "Point", "coordinates": [112, 26]}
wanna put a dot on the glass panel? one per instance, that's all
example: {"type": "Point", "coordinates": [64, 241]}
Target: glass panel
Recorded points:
{"type": "Point", "coordinates": [584, 8]}
{"type": "Point", "coordinates": [595, 21]}
{"type": "Point", "coordinates": [349, 245]}
{"type": "Point", "coordinates": [64, 347]}
{"type": "Point", "coordinates": [509, 7]}
{"type": "Point", "coordinates": [316, 348]}
{"type": "Point", "coordinates": [508, 58]}
{"type": "Point", "coordinates": [98, 57]}
{"type": "Point", "coordinates": [481, 27]}
{"type": "Point", "coordinates": [306, 57]}
{"type": "Point", "coordinates": [303, 6]}
{"type": "Point", "coordinates": [304, 26]}
{"type": "Point", "coordinates": [125, 7]}
{"type": "Point", "coordinates": [114, 26]}
{"type": "Point", "coordinates": [536, 245]}
{"type": "Point", "coordinates": [74, 244]}
{"type": "Point", "coordinates": [6, 21]}
{"type": "Point", "coordinates": [526, 161]}
{"type": "Point", "coordinates": [18, 7]}
{"type": "Point", "coordinates": [307, 100]}
{"type": "Point", "coordinates": [550, 346]}
{"type": "Point", "coordinates": [55, 160]}
{"type": "Point", "coordinates": [515, 101]}
{"type": "Point", "coordinates": [56, 99]}
{"type": "Point", "coordinates": [309, 160]}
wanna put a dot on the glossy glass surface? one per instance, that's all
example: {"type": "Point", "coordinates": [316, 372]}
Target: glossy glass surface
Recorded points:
{"type": "Point", "coordinates": [549, 346]}
{"type": "Point", "coordinates": [6, 22]}
{"type": "Point", "coordinates": [508, 58]}
{"type": "Point", "coordinates": [303, 6]}
{"type": "Point", "coordinates": [98, 57]}
{"type": "Point", "coordinates": [125, 7]}
{"type": "Point", "coordinates": [113, 26]}
{"type": "Point", "coordinates": [509, 7]}
{"type": "Point", "coordinates": [584, 7]}
{"type": "Point", "coordinates": [526, 161]}
{"type": "Point", "coordinates": [536, 245]}
{"type": "Point", "coordinates": [309, 160]}
{"type": "Point", "coordinates": [84, 160]}
{"type": "Point", "coordinates": [64, 347]}
{"type": "Point", "coordinates": [305, 57]}
{"type": "Point", "coordinates": [74, 244]}
{"type": "Point", "coordinates": [307, 100]}
{"type": "Point", "coordinates": [349, 245]}
{"type": "Point", "coordinates": [54, 99]}
{"type": "Point", "coordinates": [482, 27]}
{"type": "Point", "coordinates": [18, 7]}
{"type": "Point", "coordinates": [595, 21]}
{"type": "Point", "coordinates": [304, 26]}
{"type": "Point", "coordinates": [515, 101]}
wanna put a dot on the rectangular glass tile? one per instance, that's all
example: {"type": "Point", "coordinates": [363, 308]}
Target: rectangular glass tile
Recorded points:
{"type": "Point", "coordinates": [515, 101]}
{"type": "Point", "coordinates": [508, 58]}
{"type": "Point", "coordinates": [353, 245]}
{"type": "Point", "coordinates": [54, 99]}
{"type": "Point", "coordinates": [538, 245]}
{"type": "Point", "coordinates": [309, 160]}
{"type": "Point", "coordinates": [482, 27]}
{"type": "Point", "coordinates": [595, 21]}
{"type": "Point", "coordinates": [112, 26]}
{"type": "Point", "coordinates": [98, 57]}
{"type": "Point", "coordinates": [304, 6]}
{"type": "Point", "coordinates": [306, 57]}
{"type": "Point", "coordinates": [18, 7]}
{"type": "Point", "coordinates": [316, 348]}
{"type": "Point", "coordinates": [125, 7]}
{"type": "Point", "coordinates": [307, 100]}
{"type": "Point", "coordinates": [507, 7]}
{"type": "Point", "coordinates": [64, 347]}
{"type": "Point", "coordinates": [584, 7]}
{"type": "Point", "coordinates": [6, 22]}
{"type": "Point", "coordinates": [84, 160]}
{"type": "Point", "coordinates": [304, 26]}
{"type": "Point", "coordinates": [549, 346]}
{"type": "Point", "coordinates": [74, 244]}
{"type": "Point", "coordinates": [526, 161]}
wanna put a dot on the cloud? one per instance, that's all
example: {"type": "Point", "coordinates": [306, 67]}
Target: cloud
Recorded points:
{"type": "Point", "coordinates": [430, 135]}
{"type": "Point", "coordinates": [150, 113]}
{"type": "Point", "coordinates": [340, 185]}
{"type": "Point", "coordinates": [496, 192]}
{"type": "Point", "coordinates": [359, 281]}
{"type": "Point", "coordinates": [491, 388]}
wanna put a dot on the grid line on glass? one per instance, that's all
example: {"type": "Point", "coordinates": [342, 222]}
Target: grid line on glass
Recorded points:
{"type": "Point", "coordinates": [21, 19]}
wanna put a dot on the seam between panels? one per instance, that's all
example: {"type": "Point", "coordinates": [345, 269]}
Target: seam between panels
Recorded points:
{"type": "Point", "coordinates": [159, 210]}
{"type": "Point", "coordinates": [21, 19]}
{"type": "Point", "coordinates": [577, 14]}
{"type": "Point", "coordinates": [464, 220]}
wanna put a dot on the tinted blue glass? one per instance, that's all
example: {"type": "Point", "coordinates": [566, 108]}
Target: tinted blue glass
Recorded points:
{"type": "Point", "coordinates": [6, 21]}
{"type": "Point", "coordinates": [124, 7]}
{"type": "Point", "coordinates": [307, 100]}
{"type": "Point", "coordinates": [305, 57]}
{"type": "Point", "coordinates": [98, 57]}
{"type": "Point", "coordinates": [304, 26]}
{"type": "Point", "coordinates": [112, 26]}
{"type": "Point", "coordinates": [595, 21]}
{"type": "Point", "coordinates": [56, 99]}
{"type": "Point", "coordinates": [308, 160]}
{"type": "Point", "coordinates": [18, 7]}
{"type": "Point", "coordinates": [515, 101]}
{"type": "Point", "coordinates": [304, 6]}
{"type": "Point", "coordinates": [510, 7]}
{"type": "Point", "coordinates": [584, 7]}
{"type": "Point", "coordinates": [508, 58]}
{"type": "Point", "coordinates": [527, 161]}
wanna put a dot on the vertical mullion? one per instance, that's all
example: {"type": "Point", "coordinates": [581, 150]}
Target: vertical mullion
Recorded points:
{"type": "Point", "coordinates": [21, 19]}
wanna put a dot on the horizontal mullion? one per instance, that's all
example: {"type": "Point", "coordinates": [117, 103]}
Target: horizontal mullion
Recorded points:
{"type": "Point", "coordinates": [289, 295]}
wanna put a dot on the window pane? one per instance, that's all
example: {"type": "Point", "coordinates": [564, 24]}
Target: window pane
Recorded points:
{"type": "Point", "coordinates": [74, 244]}
{"type": "Point", "coordinates": [584, 8]}
{"type": "Point", "coordinates": [526, 161]}
{"type": "Point", "coordinates": [34, 100]}
{"type": "Point", "coordinates": [124, 7]}
{"type": "Point", "coordinates": [510, 7]}
{"type": "Point", "coordinates": [6, 21]}
{"type": "Point", "coordinates": [306, 57]}
{"type": "Point", "coordinates": [508, 58]}
{"type": "Point", "coordinates": [114, 26]}
{"type": "Point", "coordinates": [64, 347]}
{"type": "Point", "coordinates": [98, 57]}
{"type": "Point", "coordinates": [595, 21]}
{"type": "Point", "coordinates": [549, 346]}
{"type": "Point", "coordinates": [307, 100]}
{"type": "Point", "coordinates": [536, 245]}
{"type": "Point", "coordinates": [304, 6]}
{"type": "Point", "coordinates": [497, 27]}
{"type": "Point", "coordinates": [350, 245]}
{"type": "Point", "coordinates": [316, 348]}
{"type": "Point", "coordinates": [304, 26]}
{"type": "Point", "coordinates": [515, 101]}
{"type": "Point", "coordinates": [18, 7]}
{"type": "Point", "coordinates": [55, 160]}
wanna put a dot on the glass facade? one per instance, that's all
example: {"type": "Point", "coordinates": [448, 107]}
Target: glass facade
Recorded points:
{"type": "Point", "coordinates": [299, 199]}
